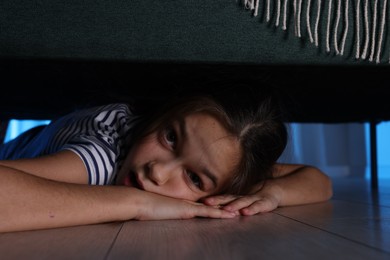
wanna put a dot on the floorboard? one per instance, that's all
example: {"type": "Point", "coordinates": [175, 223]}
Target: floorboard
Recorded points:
{"type": "Point", "coordinates": [362, 223]}
{"type": "Point", "coordinates": [359, 190]}
{"type": "Point", "coordinates": [83, 242]}
{"type": "Point", "coordinates": [266, 236]}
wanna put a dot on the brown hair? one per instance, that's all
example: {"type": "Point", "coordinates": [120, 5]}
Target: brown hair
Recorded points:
{"type": "Point", "coordinates": [256, 125]}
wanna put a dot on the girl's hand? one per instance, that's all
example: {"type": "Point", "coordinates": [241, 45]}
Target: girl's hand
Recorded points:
{"type": "Point", "coordinates": [157, 207]}
{"type": "Point", "coordinates": [291, 185]}
{"type": "Point", "coordinates": [262, 198]}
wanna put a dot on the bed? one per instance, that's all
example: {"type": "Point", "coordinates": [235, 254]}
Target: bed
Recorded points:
{"type": "Point", "coordinates": [327, 60]}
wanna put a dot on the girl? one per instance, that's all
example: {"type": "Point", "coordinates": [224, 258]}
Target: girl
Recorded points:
{"type": "Point", "coordinates": [196, 157]}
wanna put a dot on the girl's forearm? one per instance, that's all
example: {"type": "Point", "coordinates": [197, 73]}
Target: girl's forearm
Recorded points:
{"type": "Point", "coordinates": [28, 202]}
{"type": "Point", "coordinates": [305, 185]}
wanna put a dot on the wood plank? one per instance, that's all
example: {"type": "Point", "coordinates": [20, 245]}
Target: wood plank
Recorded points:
{"type": "Point", "coordinates": [359, 222]}
{"type": "Point", "coordinates": [359, 190]}
{"type": "Point", "coordinates": [82, 242]}
{"type": "Point", "coordinates": [266, 236]}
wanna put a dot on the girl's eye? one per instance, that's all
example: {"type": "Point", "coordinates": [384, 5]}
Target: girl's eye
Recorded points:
{"type": "Point", "coordinates": [170, 137]}
{"type": "Point", "coordinates": [195, 179]}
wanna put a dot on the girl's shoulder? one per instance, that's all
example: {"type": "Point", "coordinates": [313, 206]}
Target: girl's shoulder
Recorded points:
{"type": "Point", "coordinates": [99, 113]}
{"type": "Point", "coordinates": [114, 117]}
{"type": "Point", "coordinates": [107, 108]}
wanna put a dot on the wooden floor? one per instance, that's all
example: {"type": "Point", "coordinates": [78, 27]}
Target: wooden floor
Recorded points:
{"type": "Point", "coordinates": [355, 224]}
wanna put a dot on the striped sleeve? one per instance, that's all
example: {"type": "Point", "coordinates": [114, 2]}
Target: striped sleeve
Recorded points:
{"type": "Point", "coordinates": [99, 139]}
{"type": "Point", "coordinates": [99, 159]}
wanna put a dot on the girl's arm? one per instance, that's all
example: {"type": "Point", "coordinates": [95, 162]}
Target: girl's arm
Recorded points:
{"type": "Point", "coordinates": [291, 185]}
{"type": "Point", "coordinates": [64, 166]}
{"type": "Point", "coordinates": [28, 201]}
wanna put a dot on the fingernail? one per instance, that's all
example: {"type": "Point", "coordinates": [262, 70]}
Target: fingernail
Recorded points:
{"type": "Point", "coordinates": [246, 212]}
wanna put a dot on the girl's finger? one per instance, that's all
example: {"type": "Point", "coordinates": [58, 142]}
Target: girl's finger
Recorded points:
{"type": "Point", "coordinates": [210, 212]}
{"type": "Point", "coordinates": [259, 206]}
{"type": "Point", "coordinates": [240, 203]}
{"type": "Point", "coordinates": [220, 199]}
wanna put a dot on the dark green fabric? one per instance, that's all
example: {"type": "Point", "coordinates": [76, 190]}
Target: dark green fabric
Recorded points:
{"type": "Point", "coordinates": [57, 55]}
{"type": "Point", "coordinates": [176, 30]}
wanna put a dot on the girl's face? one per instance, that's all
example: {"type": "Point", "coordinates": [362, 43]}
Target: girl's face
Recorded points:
{"type": "Point", "coordinates": [190, 159]}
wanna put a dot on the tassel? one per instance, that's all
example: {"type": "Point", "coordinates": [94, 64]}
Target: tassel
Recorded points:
{"type": "Point", "coordinates": [277, 13]}
{"type": "Point", "coordinates": [249, 4]}
{"type": "Point", "coordinates": [308, 21]}
{"type": "Point", "coordinates": [256, 7]}
{"type": "Point", "coordinates": [373, 31]}
{"type": "Point", "coordinates": [317, 23]}
{"type": "Point", "coordinates": [284, 27]}
{"type": "Point", "coordinates": [346, 26]}
{"type": "Point", "coordinates": [295, 17]}
{"type": "Point", "coordinates": [383, 23]}
{"type": "Point", "coordinates": [366, 30]}
{"type": "Point", "coordinates": [299, 18]}
{"type": "Point", "coordinates": [336, 27]}
{"type": "Point", "coordinates": [268, 10]}
{"type": "Point", "coordinates": [369, 26]}
{"type": "Point", "coordinates": [328, 26]}
{"type": "Point", "coordinates": [357, 41]}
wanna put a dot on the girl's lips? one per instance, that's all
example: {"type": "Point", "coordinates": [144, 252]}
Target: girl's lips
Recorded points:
{"type": "Point", "coordinates": [127, 180]}
{"type": "Point", "coordinates": [132, 180]}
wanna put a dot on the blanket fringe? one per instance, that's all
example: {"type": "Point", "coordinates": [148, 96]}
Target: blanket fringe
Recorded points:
{"type": "Point", "coordinates": [333, 20]}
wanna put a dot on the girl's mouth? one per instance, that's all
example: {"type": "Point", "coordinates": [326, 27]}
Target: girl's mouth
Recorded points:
{"type": "Point", "coordinates": [132, 181]}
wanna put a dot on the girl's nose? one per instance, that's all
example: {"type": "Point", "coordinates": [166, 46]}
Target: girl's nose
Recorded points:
{"type": "Point", "coordinates": [159, 173]}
